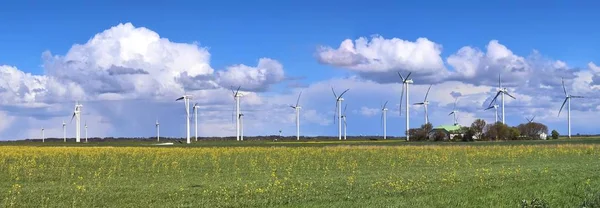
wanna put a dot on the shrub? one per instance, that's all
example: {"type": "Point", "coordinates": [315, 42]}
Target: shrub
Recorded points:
{"type": "Point", "coordinates": [555, 134]}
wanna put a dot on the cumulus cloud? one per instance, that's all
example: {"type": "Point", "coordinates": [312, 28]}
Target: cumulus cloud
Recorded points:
{"type": "Point", "coordinates": [379, 58]}
{"type": "Point", "coordinates": [259, 78]}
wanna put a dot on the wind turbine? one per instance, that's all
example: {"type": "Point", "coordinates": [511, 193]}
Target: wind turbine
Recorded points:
{"type": "Point", "coordinates": [495, 107]}
{"type": "Point", "coordinates": [405, 82]}
{"type": "Point", "coordinates": [43, 137]}
{"type": "Point", "coordinates": [338, 110]}
{"type": "Point", "coordinates": [77, 116]}
{"type": "Point", "coordinates": [236, 97]}
{"type": "Point", "coordinates": [425, 103]}
{"type": "Point", "coordinates": [501, 91]}
{"type": "Point", "coordinates": [530, 120]}
{"type": "Point", "coordinates": [297, 109]}
{"type": "Point", "coordinates": [186, 100]}
{"type": "Point", "coordinates": [344, 119]}
{"type": "Point", "coordinates": [384, 119]}
{"type": "Point", "coordinates": [567, 99]}
{"type": "Point", "coordinates": [196, 106]}
{"type": "Point", "coordinates": [86, 132]}
{"type": "Point", "coordinates": [64, 131]}
{"type": "Point", "coordinates": [454, 112]}
{"type": "Point", "coordinates": [157, 131]}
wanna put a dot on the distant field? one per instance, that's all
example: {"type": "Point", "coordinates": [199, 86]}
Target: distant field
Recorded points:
{"type": "Point", "coordinates": [564, 173]}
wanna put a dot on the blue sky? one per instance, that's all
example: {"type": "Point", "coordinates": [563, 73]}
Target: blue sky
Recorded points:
{"type": "Point", "coordinates": [290, 32]}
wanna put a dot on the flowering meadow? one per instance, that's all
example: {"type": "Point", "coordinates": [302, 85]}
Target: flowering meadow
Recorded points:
{"type": "Point", "coordinates": [562, 175]}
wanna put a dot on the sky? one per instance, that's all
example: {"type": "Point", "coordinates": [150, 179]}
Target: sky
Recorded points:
{"type": "Point", "coordinates": [127, 62]}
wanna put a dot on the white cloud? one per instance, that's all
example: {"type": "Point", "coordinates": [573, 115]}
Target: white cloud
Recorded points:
{"type": "Point", "coordinates": [366, 111]}
{"type": "Point", "coordinates": [267, 72]}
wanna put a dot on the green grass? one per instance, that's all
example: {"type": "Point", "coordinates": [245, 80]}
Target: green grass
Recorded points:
{"type": "Point", "coordinates": [299, 174]}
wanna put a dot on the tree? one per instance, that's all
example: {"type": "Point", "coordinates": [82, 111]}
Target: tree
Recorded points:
{"type": "Point", "coordinates": [497, 131]}
{"type": "Point", "coordinates": [555, 134]}
{"type": "Point", "coordinates": [514, 133]}
{"type": "Point", "coordinates": [532, 129]}
{"type": "Point", "coordinates": [420, 134]}
{"type": "Point", "coordinates": [477, 127]}
{"type": "Point", "coordinates": [468, 133]}
{"type": "Point", "coordinates": [439, 136]}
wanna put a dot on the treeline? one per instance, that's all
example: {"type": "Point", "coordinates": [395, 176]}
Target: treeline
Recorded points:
{"type": "Point", "coordinates": [481, 131]}
{"type": "Point", "coordinates": [183, 139]}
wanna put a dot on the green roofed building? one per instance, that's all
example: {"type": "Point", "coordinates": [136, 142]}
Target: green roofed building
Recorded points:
{"type": "Point", "coordinates": [448, 131]}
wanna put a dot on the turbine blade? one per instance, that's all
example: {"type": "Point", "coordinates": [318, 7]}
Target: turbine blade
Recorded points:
{"type": "Point", "coordinates": [384, 104]}
{"type": "Point", "coordinates": [455, 100]}
{"type": "Point", "coordinates": [489, 107]}
{"type": "Point", "coordinates": [237, 91]}
{"type": "Point", "coordinates": [344, 92]}
{"type": "Point", "coordinates": [178, 99]}
{"type": "Point", "coordinates": [294, 107]}
{"type": "Point", "coordinates": [407, 76]}
{"type": "Point", "coordinates": [532, 118]}
{"type": "Point", "coordinates": [496, 97]}
{"type": "Point", "coordinates": [509, 95]}
{"type": "Point", "coordinates": [334, 95]}
{"type": "Point", "coordinates": [576, 96]}
{"type": "Point", "coordinates": [401, 77]}
{"type": "Point", "coordinates": [72, 117]}
{"type": "Point", "coordinates": [563, 84]}
{"type": "Point", "coordinates": [335, 112]}
{"type": "Point", "coordinates": [563, 105]}
{"type": "Point", "coordinates": [345, 107]}
{"type": "Point", "coordinates": [499, 82]}
{"type": "Point", "coordinates": [451, 113]}
{"type": "Point", "coordinates": [418, 103]}
{"type": "Point", "coordinates": [426, 94]}
{"type": "Point", "coordinates": [298, 100]}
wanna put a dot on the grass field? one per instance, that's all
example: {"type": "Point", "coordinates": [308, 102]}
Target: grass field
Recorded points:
{"type": "Point", "coordinates": [564, 173]}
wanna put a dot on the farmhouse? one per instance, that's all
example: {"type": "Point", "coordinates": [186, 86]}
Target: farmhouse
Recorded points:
{"type": "Point", "coordinates": [449, 131]}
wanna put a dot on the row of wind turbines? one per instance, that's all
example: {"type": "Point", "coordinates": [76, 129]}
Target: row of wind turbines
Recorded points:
{"type": "Point", "coordinates": [339, 115]}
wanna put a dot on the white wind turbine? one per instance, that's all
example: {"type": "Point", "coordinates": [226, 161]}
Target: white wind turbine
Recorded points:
{"type": "Point", "coordinates": [64, 131]}
{"type": "Point", "coordinates": [338, 111]}
{"type": "Point", "coordinates": [384, 119]}
{"type": "Point", "coordinates": [77, 116]}
{"type": "Point", "coordinates": [157, 131]}
{"type": "Point", "coordinates": [186, 100]}
{"type": "Point", "coordinates": [425, 103]}
{"type": "Point", "coordinates": [297, 109]}
{"type": "Point", "coordinates": [495, 107]}
{"type": "Point", "coordinates": [86, 132]}
{"type": "Point", "coordinates": [405, 82]}
{"type": "Point", "coordinates": [237, 96]}
{"type": "Point", "coordinates": [567, 100]}
{"type": "Point", "coordinates": [501, 91]}
{"type": "Point", "coordinates": [454, 112]}
{"type": "Point", "coordinates": [344, 120]}
{"type": "Point", "coordinates": [196, 106]}
{"type": "Point", "coordinates": [43, 137]}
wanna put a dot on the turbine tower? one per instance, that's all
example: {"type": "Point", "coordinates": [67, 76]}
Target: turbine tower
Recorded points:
{"type": "Point", "coordinates": [405, 82]}
{"type": "Point", "coordinates": [567, 100]}
{"type": "Point", "coordinates": [241, 119]}
{"type": "Point", "coordinates": [501, 91]}
{"type": "Point", "coordinates": [344, 120]}
{"type": "Point", "coordinates": [186, 100]}
{"type": "Point", "coordinates": [384, 119]}
{"type": "Point", "coordinates": [338, 111]}
{"type": "Point", "coordinates": [425, 103]}
{"type": "Point", "coordinates": [297, 109]}
{"type": "Point", "coordinates": [196, 106]}
{"type": "Point", "coordinates": [43, 137]}
{"type": "Point", "coordinates": [454, 112]}
{"type": "Point", "coordinates": [77, 116]}
{"type": "Point", "coordinates": [86, 132]}
{"type": "Point", "coordinates": [237, 96]}
{"type": "Point", "coordinates": [495, 107]}
{"type": "Point", "coordinates": [64, 131]}
{"type": "Point", "coordinates": [157, 131]}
